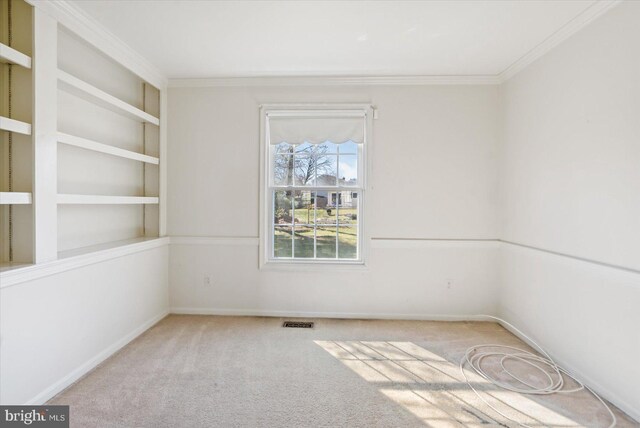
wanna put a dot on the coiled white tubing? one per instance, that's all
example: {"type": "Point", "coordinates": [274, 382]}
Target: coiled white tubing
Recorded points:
{"type": "Point", "coordinates": [554, 377]}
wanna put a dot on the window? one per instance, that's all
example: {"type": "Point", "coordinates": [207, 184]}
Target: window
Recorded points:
{"type": "Point", "coordinates": [314, 184]}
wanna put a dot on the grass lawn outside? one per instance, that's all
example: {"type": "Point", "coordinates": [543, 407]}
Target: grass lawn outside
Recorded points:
{"type": "Point", "coordinates": [325, 242]}
{"type": "Point", "coordinates": [346, 216]}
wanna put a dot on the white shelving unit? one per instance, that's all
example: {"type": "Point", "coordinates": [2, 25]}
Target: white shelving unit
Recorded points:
{"type": "Point", "coordinates": [15, 198]}
{"type": "Point", "coordinates": [12, 125]}
{"type": "Point", "coordinates": [82, 89]}
{"type": "Point", "coordinates": [8, 55]}
{"type": "Point", "coordinates": [105, 148]}
{"type": "Point", "coordinates": [66, 160]}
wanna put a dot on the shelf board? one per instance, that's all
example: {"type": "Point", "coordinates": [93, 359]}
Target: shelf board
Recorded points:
{"type": "Point", "coordinates": [105, 200]}
{"type": "Point", "coordinates": [80, 88]}
{"type": "Point", "coordinates": [13, 125]}
{"type": "Point", "coordinates": [104, 148]}
{"type": "Point", "coordinates": [8, 266]}
{"type": "Point", "coordinates": [15, 198]}
{"type": "Point", "coordinates": [21, 273]}
{"type": "Point", "coordinates": [12, 56]}
{"type": "Point", "coordinates": [108, 246]}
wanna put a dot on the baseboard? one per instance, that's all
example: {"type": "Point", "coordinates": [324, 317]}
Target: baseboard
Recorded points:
{"type": "Point", "coordinates": [603, 392]}
{"type": "Point", "coordinates": [336, 315]}
{"type": "Point", "coordinates": [76, 374]}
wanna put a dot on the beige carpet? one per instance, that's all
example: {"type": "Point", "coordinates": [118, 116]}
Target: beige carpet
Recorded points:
{"type": "Point", "coordinates": [206, 371]}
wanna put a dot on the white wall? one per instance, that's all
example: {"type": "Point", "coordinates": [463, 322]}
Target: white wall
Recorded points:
{"type": "Point", "coordinates": [406, 281]}
{"type": "Point", "coordinates": [56, 328]}
{"type": "Point", "coordinates": [434, 176]}
{"type": "Point", "coordinates": [571, 185]}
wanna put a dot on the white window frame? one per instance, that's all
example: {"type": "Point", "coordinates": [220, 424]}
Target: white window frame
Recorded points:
{"type": "Point", "coordinates": [266, 202]}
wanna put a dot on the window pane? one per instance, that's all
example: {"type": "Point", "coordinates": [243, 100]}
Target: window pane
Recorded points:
{"type": "Point", "coordinates": [334, 201]}
{"type": "Point", "coordinates": [282, 207]}
{"type": "Point", "coordinates": [348, 170]}
{"type": "Point", "coordinates": [282, 241]}
{"type": "Point", "coordinates": [303, 207]}
{"type": "Point", "coordinates": [347, 242]}
{"type": "Point", "coordinates": [327, 168]}
{"type": "Point", "coordinates": [303, 242]}
{"type": "Point", "coordinates": [304, 148]}
{"type": "Point", "coordinates": [327, 148]}
{"type": "Point", "coordinates": [348, 209]}
{"type": "Point", "coordinates": [325, 212]}
{"type": "Point", "coordinates": [305, 170]}
{"type": "Point", "coordinates": [326, 242]}
{"type": "Point", "coordinates": [348, 147]}
{"type": "Point", "coordinates": [283, 169]}
{"type": "Point", "coordinates": [283, 148]}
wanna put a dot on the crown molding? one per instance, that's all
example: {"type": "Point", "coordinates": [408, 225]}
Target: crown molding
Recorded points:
{"type": "Point", "coordinates": [80, 23]}
{"type": "Point", "coordinates": [583, 19]}
{"type": "Point", "coordinates": [334, 81]}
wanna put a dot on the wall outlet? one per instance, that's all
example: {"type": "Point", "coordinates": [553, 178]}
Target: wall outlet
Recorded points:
{"type": "Point", "coordinates": [207, 280]}
{"type": "Point", "coordinates": [449, 283]}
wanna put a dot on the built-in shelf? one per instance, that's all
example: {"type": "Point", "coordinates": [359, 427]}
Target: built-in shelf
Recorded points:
{"type": "Point", "coordinates": [80, 88]}
{"type": "Point", "coordinates": [105, 200]}
{"type": "Point", "coordinates": [44, 57]}
{"type": "Point", "coordinates": [15, 198]}
{"type": "Point", "coordinates": [104, 148]}
{"type": "Point", "coordinates": [13, 125]}
{"type": "Point", "coordinates": [12, 56]}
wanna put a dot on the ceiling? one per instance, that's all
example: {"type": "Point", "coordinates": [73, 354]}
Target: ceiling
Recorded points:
{"type": "Point", "coordinates": [197, 39]}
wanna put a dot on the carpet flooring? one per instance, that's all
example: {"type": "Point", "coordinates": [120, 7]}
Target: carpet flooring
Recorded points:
{"type": "Point", "coordinates": [211, 371]}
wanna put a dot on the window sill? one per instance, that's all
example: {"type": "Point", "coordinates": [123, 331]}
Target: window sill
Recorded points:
{"type": "Point", "coordinates": [317, 266]}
